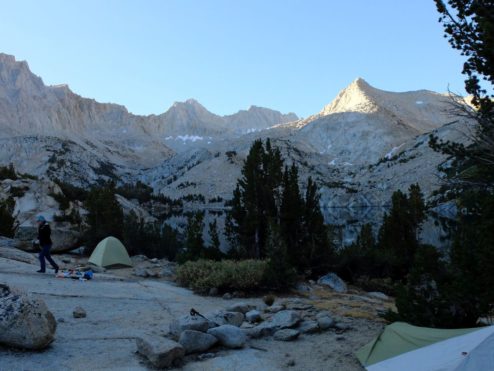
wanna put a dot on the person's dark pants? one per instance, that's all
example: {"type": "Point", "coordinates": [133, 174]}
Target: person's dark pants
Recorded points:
{"type": "Point", "coordinates": [45, 253]}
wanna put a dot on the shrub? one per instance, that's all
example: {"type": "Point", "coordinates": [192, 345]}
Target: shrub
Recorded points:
{"type": "Point", "coordinates": [8, 172]}
{"type": "Point", "coordinates": [203, 275]}
{"type": "Point", "coordinates": [7, 220]}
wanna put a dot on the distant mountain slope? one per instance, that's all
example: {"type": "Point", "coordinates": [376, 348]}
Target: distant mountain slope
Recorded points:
{"type": "Point", "coordinates": [363, 123]}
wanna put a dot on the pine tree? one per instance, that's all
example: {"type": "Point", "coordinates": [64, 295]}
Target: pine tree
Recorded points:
{"type": "Point", "coordinates": [7, 220]}
{"type": "Point", "coordinates": [291, 213]}
{"type": "Point", "coordinates": [213, 251]}
{"type": "Point", "coordinates": [104, 218]}
{"type": "Point", "coordinates": [194, 243]}
{"type": "Point", "coordinates": [279, 273]}
{"type": "Point", "coordinates": [318, 249]}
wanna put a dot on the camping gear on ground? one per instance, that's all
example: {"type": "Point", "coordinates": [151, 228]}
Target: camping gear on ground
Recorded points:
{"type": "Point", "coordinates": [76, 274]}
{"type": "Point", "coordinates": [110, 252]}
{"type": "Point", "coordinates": [409, 348]}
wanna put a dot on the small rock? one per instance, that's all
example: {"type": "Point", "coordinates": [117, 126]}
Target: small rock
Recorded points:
{"type": "Point", "coordinates": [325, 322]}
{"type": "Point", "coordinates": [160, 351]}
{"type": "Point", "coordinates": [196, 341]}
{"type": "Point", "coordinates": [141, 272]}
{"type": "Point", "coordinates": [275, 308]}
{"type": "Point", "coordinates": [286, 335]}
{"type": "Point", "coordinates": [253, 316]}
{"type": "Point", "coordinates": [333, 281]}
{"type": "Point", "coordinates": [290, 363]}
{"type": "Point", "coordinates": [188, 322]}
{"type": "Point", "coordinates": [264, 329]}
{"type": "Point", "coordinates": [341, 327]}
{"type": "Point", "coordinates": [79, 312]}
{"type": "Point", "coordinates": [240, 307]}
{"type": "Point", "coordinates": [238, 294]}
{"type": "Point", "coordinates": [268, 299]}
{"type": "Point", "coordinates": [167, 272]}
{"type": "Point", "coordinates": [286, 319]}
{"type": "Point", "coordinates": [227, 296]}
{"type": "Point", "coordinates": [61, 320]}
{"type": "Point", "coordinates": [66, 260]}
{"type": "Point", "coordinates": [154, 260]}
{"type": "Point", "coordinates": [323, 313]}
{"type": "Point", "coordinates": [308, 327]}
{"type": "Point", "coordinates": [340, 338]}
{"type": "Point", "coordinates": [229, 336]}
{"type": "Point", "coordinates": [213, 291]}
{"type": "Point", "coordinates": [221, 317]}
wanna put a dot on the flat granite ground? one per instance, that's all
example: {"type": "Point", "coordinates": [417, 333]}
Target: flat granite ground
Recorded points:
{"type": "Point", "coordinates": [119, 309]}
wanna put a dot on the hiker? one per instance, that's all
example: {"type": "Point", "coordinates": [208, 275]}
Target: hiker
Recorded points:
{"type": "Point", "coordinates": [45, 243]}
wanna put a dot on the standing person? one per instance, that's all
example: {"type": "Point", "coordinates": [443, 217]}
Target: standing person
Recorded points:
{"type": "Point", "coordinates": [45, 243]}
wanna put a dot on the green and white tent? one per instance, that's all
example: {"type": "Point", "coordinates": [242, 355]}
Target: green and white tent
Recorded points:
{"type": "Point", "coordinates": [404, 347]}
{"type": "Point", "coordinates": [110, 252]}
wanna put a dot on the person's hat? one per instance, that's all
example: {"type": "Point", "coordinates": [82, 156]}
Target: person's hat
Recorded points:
{"type": "Point", "coordinates": [40, 218]}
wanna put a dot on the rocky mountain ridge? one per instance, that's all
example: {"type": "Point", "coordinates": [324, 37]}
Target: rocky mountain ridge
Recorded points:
{"type": "Point", "coordinates": [360, 148]}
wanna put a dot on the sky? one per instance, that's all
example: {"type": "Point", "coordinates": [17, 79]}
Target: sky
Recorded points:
{"type": "Point", "coordinates": [288, 55]}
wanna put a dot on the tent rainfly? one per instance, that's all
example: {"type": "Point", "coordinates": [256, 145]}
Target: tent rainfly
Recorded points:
{"type": "Point", "coordinates": [409, 348]}
{"type": "Point", "coordinates": [110, 252]}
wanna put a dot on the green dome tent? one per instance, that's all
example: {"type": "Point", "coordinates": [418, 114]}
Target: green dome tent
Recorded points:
{"type": "Point", "coordinates": [409, 348]}
{"type": "Point", "coordinates": [110, 252]}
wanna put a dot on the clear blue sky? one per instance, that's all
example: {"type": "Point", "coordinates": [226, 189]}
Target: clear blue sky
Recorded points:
{"type": "Point", "coordinates": [289, 55]}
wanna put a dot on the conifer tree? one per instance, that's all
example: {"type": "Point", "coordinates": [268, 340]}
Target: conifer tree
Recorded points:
{"type": "Point", "coordinates": [105, 216]}
{"type": "Point", "coordinates": [291, 214]}
{"type": "Point", "coordinates": [194, 243]}
{"type": "Point", "coordinates": [7, 220]}
{"type": "Point", "coordinates": [213, 250]}
{"type": "Point", "coordinates": [318, 249]}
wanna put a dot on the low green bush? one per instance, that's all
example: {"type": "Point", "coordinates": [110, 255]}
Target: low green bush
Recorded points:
{"type": "Point", "coordinates": [202, 275]}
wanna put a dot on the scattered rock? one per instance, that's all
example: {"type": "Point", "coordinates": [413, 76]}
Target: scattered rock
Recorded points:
{"type": "Point", "coordinates": [61, 320]}
{"type": "Point", "coordinates": [253, 316]}
{"type": "Point", "coordinates": [238, 294]}
{"type": "Point", "coordinates": [161, 352]}
{"type": "Point", "coordinates": [286, 335]}
{"type": "Point", "coordinates": [154, 260]}
{"type": "Point", "coordinates": [188, 322]}
{"type": "Point", "coordinates": [79, 312]}
{"type": "Point", "coordinates": [308, 327]}
{"type": "Point", "coordinates": [196, 341]}
{"type": "Point", "coordinates": [227, 296]}
{"type": "Point", "coordinates": [213, 291]}
{"type": "Point", "coordinates": [221, 317]}
{"type": "Point", "coordinates": [325, 322]}
{"type": "Point", "coordinates": [240, 307]}
{"type": "Point", "coordinates": [141, 272]}
{"type": "Point", "coordinates": [286, 319]}
{"type": "Point", "coordinates": [204, 356]}
{"type": "Point", "coordinates": [229, 336]}
{"type": "Point", "coordinates": [66, 260]}
{"type": "Point", "coordinates": [262, 330]}
{"type": "Point", "coordinates": [332, 280]}
{"type": "Point", "coordinates": [290, 363]}
{"type": "Point", "coordinates": [275, 308]}
{"type": "Point", "coordinates": [25, 322]}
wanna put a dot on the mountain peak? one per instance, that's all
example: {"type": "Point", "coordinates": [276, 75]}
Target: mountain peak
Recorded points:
{"type": "Point", "coordinates": [356, 97]}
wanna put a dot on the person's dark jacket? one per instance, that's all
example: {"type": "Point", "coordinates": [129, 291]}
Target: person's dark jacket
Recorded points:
{"type": "Point", "coordinates": [44, 234]}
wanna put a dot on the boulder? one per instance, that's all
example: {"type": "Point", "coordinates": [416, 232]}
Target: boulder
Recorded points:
{"type": "Point", "coordinates": [333, 281]}
{"type": "Point", "coordinates": [229, 336]}
{"type": "Point", "coordinates": [188, 322]}
{"type": "Point", "coordinates": [160, 351]}
{"type": "Point", "coordinates": [221, 317]}
{"type": "Point", "coordinates": [286, 335]}
{"type": "Point", "coordinates": [64, 237]}
{"type": "Point", "coordinates": [25, 321]}
{"type": "Point", "coordinates": [141, 272]}
{"type": "Point", "coordinates": [286, 319]}
{"type": "Point", "coordinates": [240, 307]}
{"type": "Point", "coordinates": [253, 316]}
{"type": "Point", "coordinates": [196, 341]}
